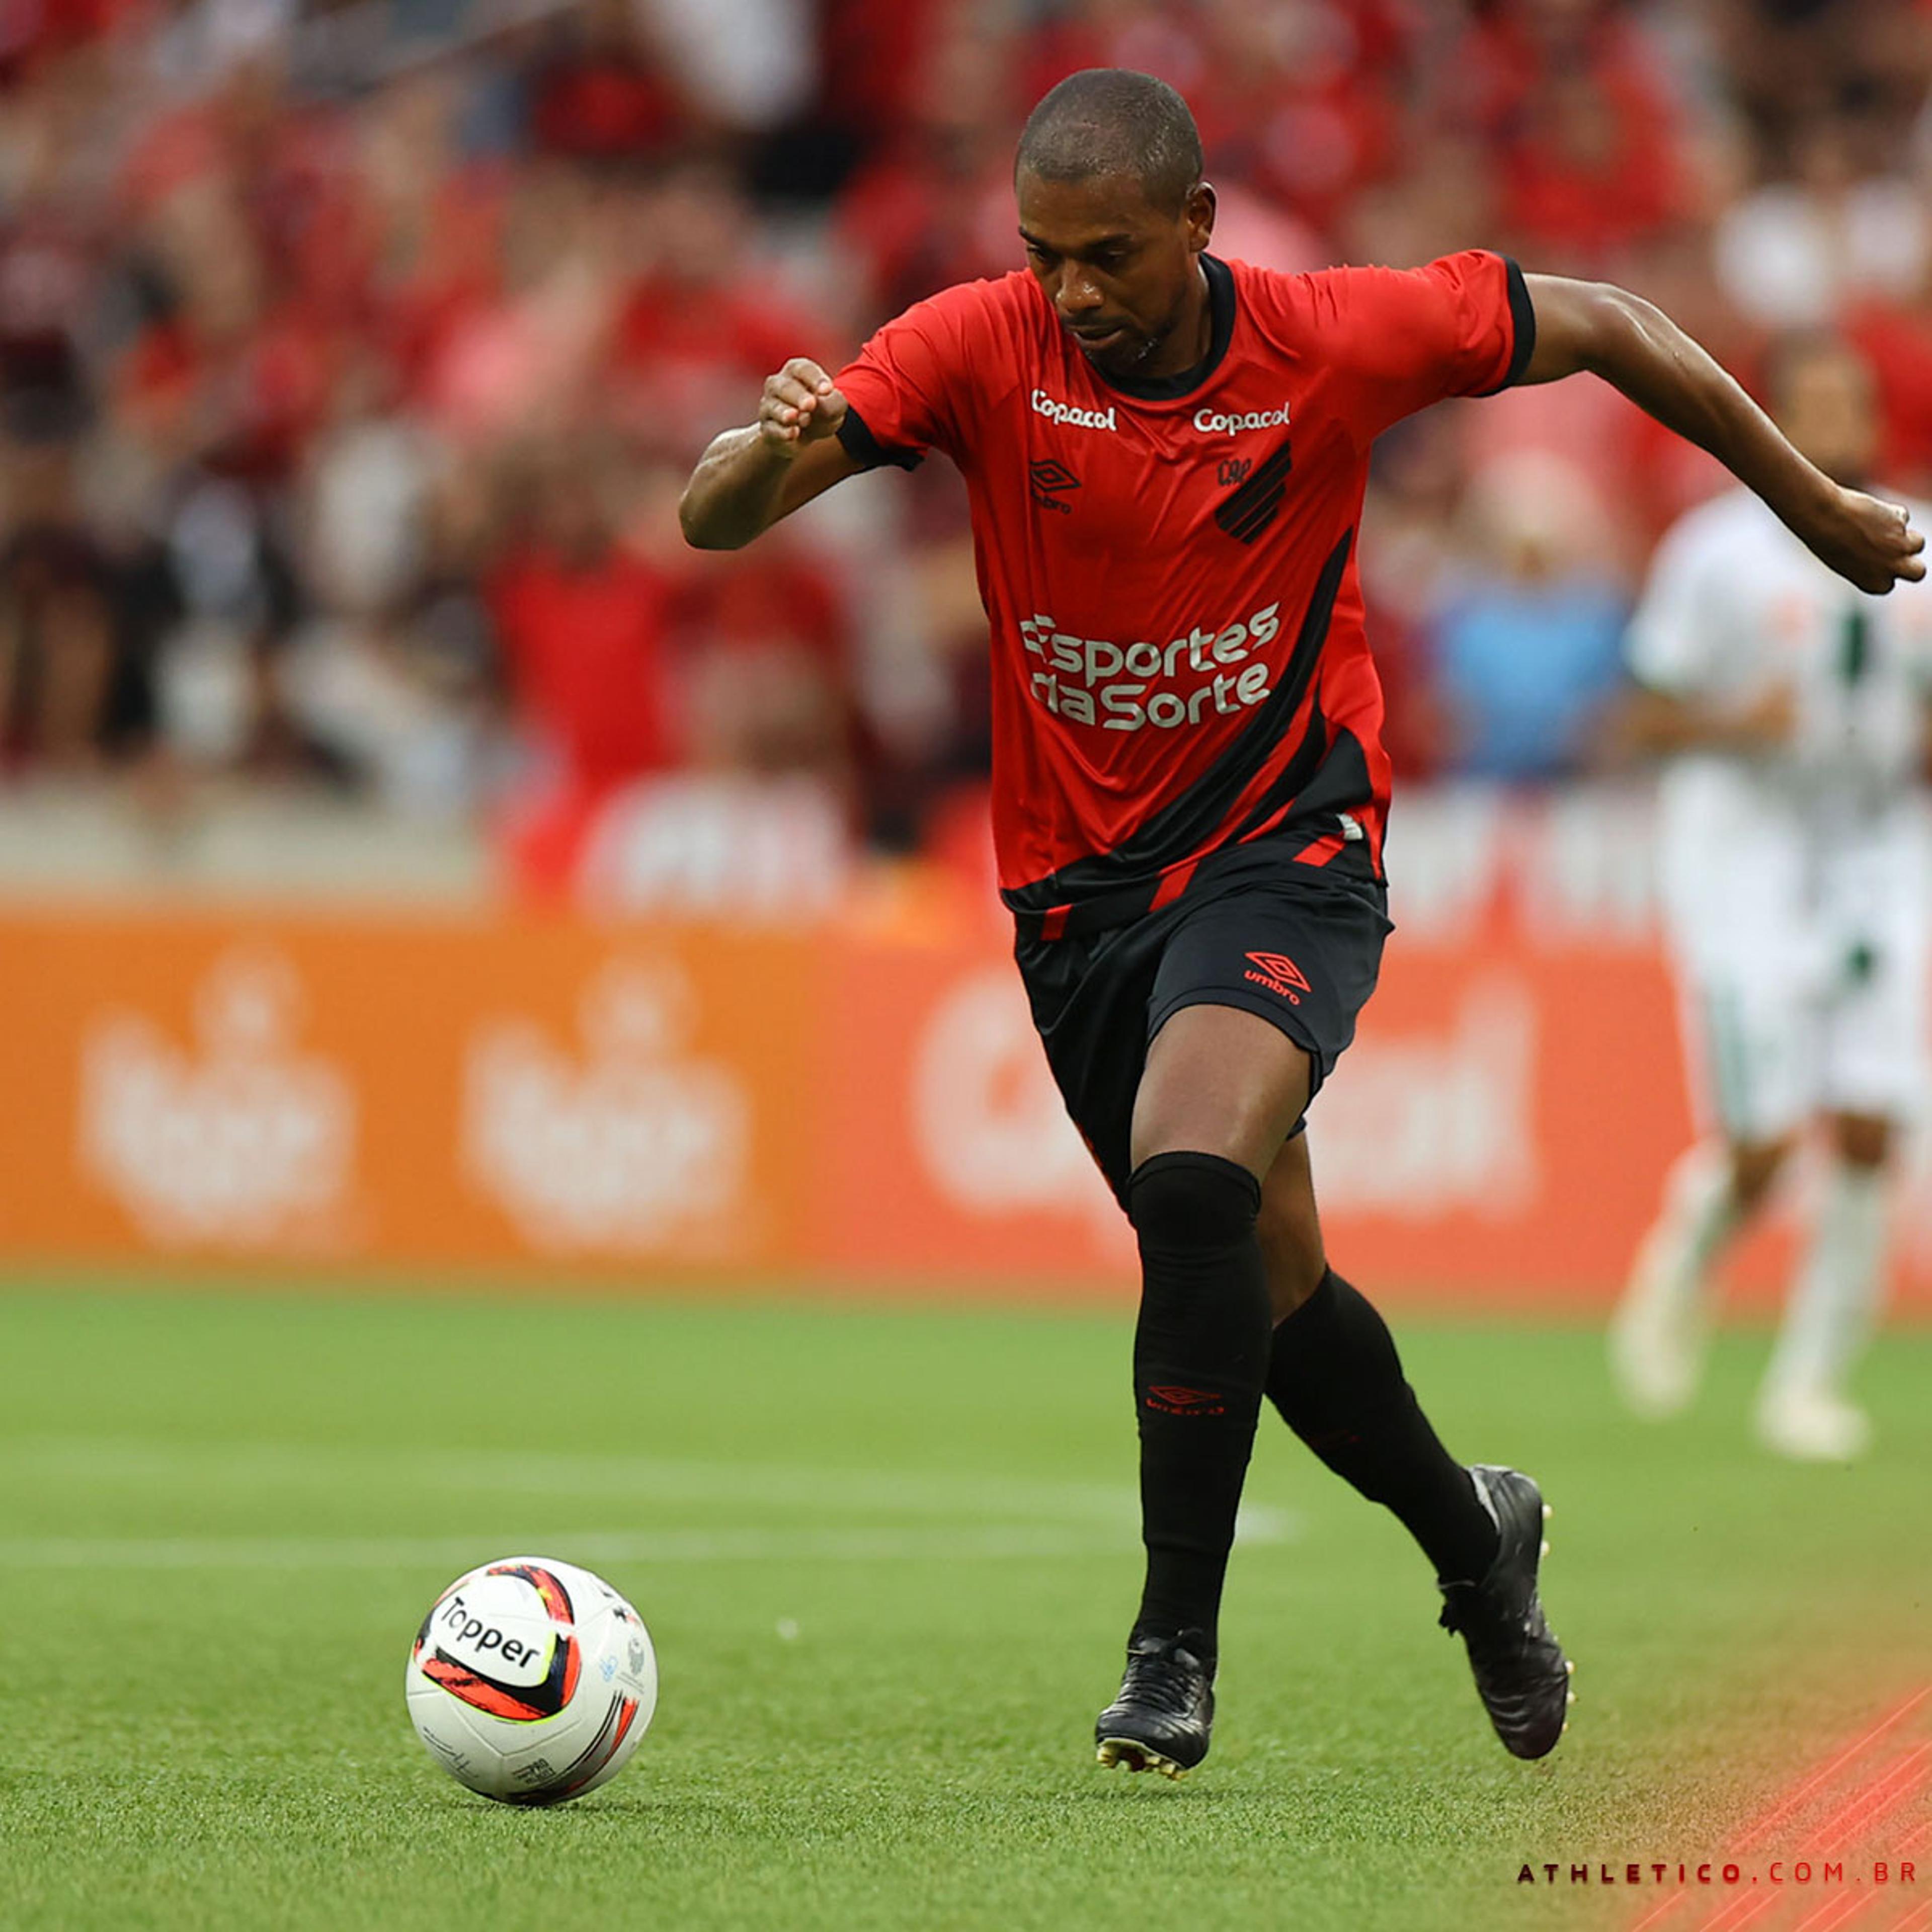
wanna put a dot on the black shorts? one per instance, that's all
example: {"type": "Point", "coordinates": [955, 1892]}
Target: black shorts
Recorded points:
{"type": "Point", "coordinates": [1300, 947]}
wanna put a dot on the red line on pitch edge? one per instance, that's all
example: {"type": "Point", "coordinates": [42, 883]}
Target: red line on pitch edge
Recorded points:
{"type": "Point", "coordinates": [1865, 1807]}
{"type": "Point", "coordinates": [1738, 1911]}
{"type": "Point", "coordinates": [1656, 1914]}
{"type": "Point", "coordinates": [1848, 1906]}
{"type": "Point", "coordinates": [1784, 1807]}
{"type": "Point", "coordinates": [1723, 1911]}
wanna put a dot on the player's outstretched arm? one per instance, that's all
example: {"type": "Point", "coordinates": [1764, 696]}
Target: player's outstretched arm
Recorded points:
{"type": "Point", "coordinates": [750, 478]}
{"type": "Point", "coordinates": [1657, 723]}
{"type": "Point", "coordinates": [1635, 347]}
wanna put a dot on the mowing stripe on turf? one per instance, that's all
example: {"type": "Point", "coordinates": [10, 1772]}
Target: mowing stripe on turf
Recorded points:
{"type": "Point", "coordinates": [745, 1546]}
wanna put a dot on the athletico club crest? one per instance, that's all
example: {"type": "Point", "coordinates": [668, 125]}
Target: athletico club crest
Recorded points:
{"type": "Point", "coordinates": [1248, 511]}
{"type": "Point", "coordinates": [1278, 974]}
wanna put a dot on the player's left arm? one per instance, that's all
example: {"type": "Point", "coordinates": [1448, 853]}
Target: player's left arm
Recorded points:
{"type": "Point", "coordinates": [1593, 328]}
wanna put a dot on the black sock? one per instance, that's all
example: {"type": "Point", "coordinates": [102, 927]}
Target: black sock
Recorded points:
{"type": "Point", "coordinates": [1201, 1356]}
{"type": "Point", "coordinates": [1334, 1375]}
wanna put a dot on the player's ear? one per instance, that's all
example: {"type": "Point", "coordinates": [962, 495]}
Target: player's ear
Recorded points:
{"type": "Point", "coordinates": [1198, 212]}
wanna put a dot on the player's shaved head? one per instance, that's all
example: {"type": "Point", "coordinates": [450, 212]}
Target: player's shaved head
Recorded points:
{"type": "Point", "coordinates": [1110, 121]}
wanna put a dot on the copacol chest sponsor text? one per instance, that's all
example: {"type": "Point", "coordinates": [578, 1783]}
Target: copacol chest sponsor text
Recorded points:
{"type": "Point", "coordinates": [1070, 414]}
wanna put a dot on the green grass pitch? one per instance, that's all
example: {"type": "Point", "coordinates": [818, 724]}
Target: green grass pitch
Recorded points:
{"type": "Point", "coordinates": [888, 1559]}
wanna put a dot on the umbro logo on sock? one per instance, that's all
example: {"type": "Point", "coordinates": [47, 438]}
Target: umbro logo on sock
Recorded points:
{"type": "Point", "coordinates": [1177, 1401]}
{"type": "Point", "coordinates": [1278, 974]}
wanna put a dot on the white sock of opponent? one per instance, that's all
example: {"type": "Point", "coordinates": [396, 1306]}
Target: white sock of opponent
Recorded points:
{"type": "Point", "coordinates": [1835, 1302]}
{"type": "Point", "coordinates": [1657, 1339]}
{"type": "Point", "coordinates": [1700, 1215]}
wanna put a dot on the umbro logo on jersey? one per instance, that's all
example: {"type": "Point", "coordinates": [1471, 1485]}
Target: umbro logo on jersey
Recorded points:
{"type": "Point", "coordinates": [1278, 974]}
{"type": "Point", "coordinates": [1074, 417]}
{"type": "Point", "coordinates": [1249, 510]}
{"type": "Point", "coordinates": [1049, 479]}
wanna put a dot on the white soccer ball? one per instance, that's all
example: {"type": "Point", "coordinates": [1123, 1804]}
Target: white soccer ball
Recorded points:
{"type": "Point", "coordinates": [532, 1681]}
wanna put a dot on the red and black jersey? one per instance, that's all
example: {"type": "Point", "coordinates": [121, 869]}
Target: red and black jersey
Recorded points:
{"type": "Point", "coordinates": [1179, 664]}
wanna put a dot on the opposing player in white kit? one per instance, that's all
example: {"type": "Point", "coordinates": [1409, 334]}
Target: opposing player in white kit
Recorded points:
{"type": "Point", "coordinates": [1794, 869]}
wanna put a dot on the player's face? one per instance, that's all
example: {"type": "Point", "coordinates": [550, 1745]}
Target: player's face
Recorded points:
{"type": "Point", "coordinates": [1124, 277]}
{"type": "Point", "coordinates": [1825, 406]}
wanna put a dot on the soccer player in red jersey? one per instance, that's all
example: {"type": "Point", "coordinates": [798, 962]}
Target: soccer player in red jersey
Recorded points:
{"type": "Point", "coordinates": [1166, 454]}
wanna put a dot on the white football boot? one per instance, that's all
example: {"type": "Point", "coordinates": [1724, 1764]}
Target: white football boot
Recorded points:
{"type": "Point", "coordinates": [1812, 1425]}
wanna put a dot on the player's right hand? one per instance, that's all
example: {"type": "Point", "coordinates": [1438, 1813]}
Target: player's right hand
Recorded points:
{"type": "Point", "coordinates": [800, 406]}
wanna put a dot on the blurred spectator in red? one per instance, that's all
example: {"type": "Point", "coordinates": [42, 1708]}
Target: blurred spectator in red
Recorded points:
{"type": "Point", "coordinates": [1410, 541]}
{"type": "Point", "coordinates": [582, 624]}
{"type": "Point", "coordinates": [520, 358]}
{"type": "Point", "coordinates": [1895, 338]}
{"type": "Point", "coordinates": [706, 320]}
{"type": "Point", "coordinates": [601, 95]}
{"type": "Point", "coordinates": [1572, 96]}
{"type": "Point", "coordinates": [57, 639]}
{"type": "Point", "coordinates": [770, 673]}
{"type": "Point", "coordinates": [302, 280]}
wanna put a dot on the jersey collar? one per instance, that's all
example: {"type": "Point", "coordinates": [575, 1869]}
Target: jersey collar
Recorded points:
{"type": "Point", "coordinates": [1221, 306]}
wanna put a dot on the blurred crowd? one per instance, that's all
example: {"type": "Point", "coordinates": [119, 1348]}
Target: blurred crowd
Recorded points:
{"type": "Point", "coordinates": [353, 355]}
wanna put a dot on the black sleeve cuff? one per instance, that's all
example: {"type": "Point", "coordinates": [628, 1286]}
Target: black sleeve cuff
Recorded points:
{"type": "Point", "coordinates": [1523, 315]}
{"type": "Point", "coordinates": [863, 447]}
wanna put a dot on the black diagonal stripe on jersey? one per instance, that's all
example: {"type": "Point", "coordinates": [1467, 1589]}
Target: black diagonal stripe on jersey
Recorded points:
{"type": "Point", "coordinates": [1260, 513]}
{"type": "Point", "coordinates": [1183, 827]}
{"type": "Point", "coordinates": [1324, 777]}
{"type": "Point", "coordinates": [1304, 761]}
{"type": "Point", "coordinates": [1272, 469]}
{"type": "Point", "coordinates": [1250, 509]}
{"type": "Point", "coordinates": [1343, 785]}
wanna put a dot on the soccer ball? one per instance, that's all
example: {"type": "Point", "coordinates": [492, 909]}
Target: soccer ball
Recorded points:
{"type": "Point", "coordinates": [532, 1681]}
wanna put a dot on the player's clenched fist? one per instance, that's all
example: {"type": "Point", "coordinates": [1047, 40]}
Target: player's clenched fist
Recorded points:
{"type": "Point", "coordinates": [1870, 542]}
{"type": "Point", "coordinates": [800, 406]}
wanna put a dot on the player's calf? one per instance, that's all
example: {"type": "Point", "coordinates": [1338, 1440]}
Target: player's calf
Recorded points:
{"type": "Point", "coordinates": [1201, 1351]}
{"type": "Point", "coordinates": [1335, 1375]}
{"type": "Point", "coordinates": [1200, 1356]}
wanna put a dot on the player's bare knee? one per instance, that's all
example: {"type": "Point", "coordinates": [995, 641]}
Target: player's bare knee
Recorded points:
{"type": "Point", "coordinates": [1861, 1140]}
{"type": "Point", "coordinates": [1290, 1285]}
{"type": "Point", "coordinates": [1289, 1229]}
{"type": "Point", "coordinates": [1754, 1166]}
{"type": "Point", "coordinates": [1219, 1080]}
{"type": "Point", "coordinates": [1292, 1249]}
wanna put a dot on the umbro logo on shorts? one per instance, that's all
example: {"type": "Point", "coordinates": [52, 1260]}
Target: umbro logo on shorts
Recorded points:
{"type": "Point", "coordinates": [1278, 974]}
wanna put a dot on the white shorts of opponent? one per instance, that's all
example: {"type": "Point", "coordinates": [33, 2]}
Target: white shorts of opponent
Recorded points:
{"type": "Point", "coordinates": [1802, 943]}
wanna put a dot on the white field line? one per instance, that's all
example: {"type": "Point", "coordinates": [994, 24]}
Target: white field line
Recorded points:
{"type": "Point", "coordinates": [45, 1462]}
{"type": "Point", "coordinates": [976, 1543]}
{"type": "Point", "coordinates": [974, 1516]}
